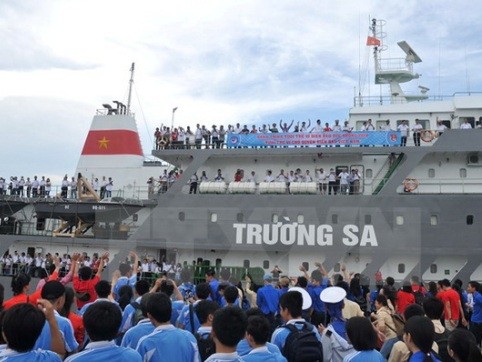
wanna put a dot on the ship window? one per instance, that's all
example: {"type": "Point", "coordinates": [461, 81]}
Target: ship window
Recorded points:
{"type": "Point", "coordinates": [240, 217]}
{"type": "Point", "coordinates": [470, 119]}
{"type": "Point", "coordinates": [181, 216]}
{"type": "Point", "coordinates": [463, 173]}
{"type": "Point", "coordinates": [266, 264]}
{"type": "Point", "coordinates": [219, 262]}
{"type": "Point", "coordinates": [214, 217]}
{"type": "Point", "coordinates": [334, 219]}
{"type": "Point", "coordinates": [135, 217]}
{"type": "Point", "coordinates": [399, 122]}
{"type": "Point", "coordinates": [369, 173]}
{"type": "Point", "coordinates": [399, 220]}
{"type": "Point", "coordinates": [301, 219]}
{"type": "Point", "coordinates": [425, 123]}
{"type": "Point", "coordinates": [433, 220]}
{"type": "Point", "coordinates": [274, 218]}
{"type": "Point", "coordinates": [431, 172]}
{"type": "Point", "coordinates": [246, 263]}
{"type": "Point", "coordinates": [401, 268]}
{"type": "Point", "coordinates": [368, 219]}
{"type": "Point", "coordinates": [470, 219]}
{"type": "Point", "coordinates": [447, 272]}
{"type": "Point", "coordinates": [359, 125]}
{"type": "Point", "coordinates": [433, 268]}
{"type": "Point", "coordinates": [337, 268]}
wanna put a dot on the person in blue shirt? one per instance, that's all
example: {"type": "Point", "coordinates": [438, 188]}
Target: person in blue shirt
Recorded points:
{"type": "Point", "coordinates": [363, 337]}
{"type": "Point", "coordinates": [187, 288]}
{"type": "Point", "coordinates": [291, 308]}
{"type": "Point", "coordinates": [102, 321]}
{"type": "Point", "coordinates": [166, 343]}
{"type": "Point", "coordinates": [203, 292]}
{"type": "Point", "coordinates": [54, 292]}
{"type": "Point", "coordinates": [141, 288]}
{"type": "Point", "coordinates": [169, 287]}
{"type": "Point", "coordinates": [128, 275]}
{"type": "Point", "coordinates": [314, 289]}
{"type": "Point", "coordinates": [229, 327]}
{"type": "Point", "coordinates": [257, 335]}
{"type": "Point", "coordinates": [418, 336]}
{"type": "Point", "coordinates": [143, 328]}
{"type": "Point", "coordinates": [22, 325]}
{"type": "Point", "coordinates": [268, 300]}
{"type": "Point", "coordinates": [214, 285]}
{"type": "Point", "coordinates": [476, 319]}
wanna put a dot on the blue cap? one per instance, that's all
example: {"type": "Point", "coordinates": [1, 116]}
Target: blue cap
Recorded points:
{"type": "Point", "coordinates": [267, 277]}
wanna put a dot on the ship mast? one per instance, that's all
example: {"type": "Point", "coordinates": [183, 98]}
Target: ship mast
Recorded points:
{"type": "Point", "coordinates": [131, 82]}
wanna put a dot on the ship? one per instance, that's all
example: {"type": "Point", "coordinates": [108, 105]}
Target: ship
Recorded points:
{"type": "Point", "coordinates": [415, 210]}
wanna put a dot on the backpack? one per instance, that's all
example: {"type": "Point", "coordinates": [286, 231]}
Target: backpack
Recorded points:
{"type": "Point", "coordinates": [205, 346]}
{"type": "Point", "coordinates": [302, 345]}
{"type": "Point", "coordinates": [442, 341]}
{"type": "Point", "coordinates": [137, 315]}
{"type": "Point", "coordinates": [399, 324]}
{"type": "Point", "coordinates": [419, 297]}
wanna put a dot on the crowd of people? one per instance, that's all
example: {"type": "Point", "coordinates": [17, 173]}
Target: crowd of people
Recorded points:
{"type": "Point", "coordinates": [19, 186]}
{"type": "Point", "coordinates": [311, 317]}
{"type": "Point", "coordinates": [343, 183]}
{"type": "Point", "coordinates": [203, 137]}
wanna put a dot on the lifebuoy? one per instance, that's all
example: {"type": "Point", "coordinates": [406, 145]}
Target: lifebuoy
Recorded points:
{"type": "Point", "coordinates": [163, 141]}
{"type": "Point", "coordinates": [427, 135]}
{"type": "Point", "coordinates": [410, 184]}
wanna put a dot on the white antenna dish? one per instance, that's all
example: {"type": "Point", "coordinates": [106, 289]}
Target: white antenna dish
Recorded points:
{"type": "Point", "coordinates": [411, 55]}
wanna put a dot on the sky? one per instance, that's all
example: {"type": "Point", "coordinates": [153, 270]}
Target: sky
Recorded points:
{"type": "Point", "coordinates": [219, 62]}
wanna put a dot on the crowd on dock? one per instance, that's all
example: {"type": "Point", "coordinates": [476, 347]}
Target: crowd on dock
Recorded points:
{"type": "Point", "coordinates": [313, 317]}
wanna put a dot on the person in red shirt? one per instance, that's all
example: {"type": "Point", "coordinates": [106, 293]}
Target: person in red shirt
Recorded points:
{"type": "Point", "coordinates": [404, 298]}
{"type": "Point", "coordinates": [75, 319]}
{"type": "Point", "coordinates": [452, 306]}
{"type": "Point", "coordinates": [20, 286]}
{"type": "Point", "coordinates": [83, 282]}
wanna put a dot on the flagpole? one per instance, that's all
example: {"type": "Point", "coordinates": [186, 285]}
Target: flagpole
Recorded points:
{"type": "Point", "coordinates": [172, 120]}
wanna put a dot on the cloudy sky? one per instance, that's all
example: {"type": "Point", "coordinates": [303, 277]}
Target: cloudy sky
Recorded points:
{"type": "Point", "coordinates": [218, 61]}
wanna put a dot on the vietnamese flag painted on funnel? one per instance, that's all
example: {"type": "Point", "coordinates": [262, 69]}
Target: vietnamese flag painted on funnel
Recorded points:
{"type": "Point", "coordinates": [112, 142]}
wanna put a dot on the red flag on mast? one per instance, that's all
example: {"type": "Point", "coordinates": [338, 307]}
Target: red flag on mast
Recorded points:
{"type": "Point", "coordinates": [373, 41]}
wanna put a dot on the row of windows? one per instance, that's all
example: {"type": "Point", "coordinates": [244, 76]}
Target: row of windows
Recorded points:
{"type": "Point", "coordinates": [399, 219]}
{"type": "Point", "coordinates": [431, 173]}
{"type": "Point", "coordinates": [379, 124]}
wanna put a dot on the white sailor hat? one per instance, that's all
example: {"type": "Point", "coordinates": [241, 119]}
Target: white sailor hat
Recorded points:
{"type": "Point", "coordinates": [332, 295]}
{"type": "Point", "coordinates": [306, 297]}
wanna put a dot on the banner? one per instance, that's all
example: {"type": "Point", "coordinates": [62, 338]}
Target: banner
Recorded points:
{"type": "Point", "coordinates": [362, 138]}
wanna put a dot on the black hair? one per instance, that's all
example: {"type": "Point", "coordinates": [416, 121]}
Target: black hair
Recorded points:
{"type": "Point", "coordinates": [464, 345]}
{"type": "Point", "coordinates": [22, 325]}
{"type": "Point", "coordinates": [167, 287]}
{"type": "Point", "coordinates": [102, 321]}
{"type": "Point", "coordinates": [337, 278]}
{"type": "Point", "coordinates": [124, 268]}
{"type": "Point", "coordinates": [390, 281]}
{"type": "Point", "coordinates": [390, 293]}
{"type": "Point", "coordinates": [231, 294]}
{"type": "Point", "coordinates": [19, 281]}
{"type": "Point", "coordinates": [2, 295]}
{"type": "Point", "coordinates": [159, 306]}
{"type": "Point", "coordinates": [413, 310]}
{"type": "Point", "coordinates": [445, 282]}
{"type": "Point", "coordinates": [361, 334]}
{"type": "Point", "coordinates": [69, 300]}
{"type": "Point", "coordinates": [407, 288]}
{"type": "Point", "coordinates": [355, 288]}
{"type": "Point", "coordinates": [344, 285]}
{"type": "Point", "coordinates": [475, 285]}
{"type": "Point", "coordinates": [432, 288]}
{"type": "Point", "coordinates": [203, 290]}
{"type": "Point", "coordinates": [458, 282]}
{"type": "Point", "coordinates": [302, 282]}
{"type": "Point", "coordinates": [42, 273]}
{"type": "Point", "coordinates": [144, 299]}
{"type": "Point", "coordinates": [382, 299]}
{"type": "Point", "coordinates": [125, 296]}
{"type": "Point", "coordinates": [210, 273]}
{"type": "Point", "coordinates": [421, 330]}
{"type": "Point", "coordinates": [229, 325]}
{"type": "Point", "coordinates": [204, 308]}
{"type": "Point", "coordinates": [85, 273]}
{"type": "Point", "coordinates": [142, 287]}
{"type": "Point", "coordinates": [433, 307]}
{"type": "Point", "coordinates": [102, 288]}
{"type": "Point", "coordinates": [254, 311]}
{"type": "Point", "coordinates": [259, 328]}
{"type": "Point", "coordinates": [293, 301]}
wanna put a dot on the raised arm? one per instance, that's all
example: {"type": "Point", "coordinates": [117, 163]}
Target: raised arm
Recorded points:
{"type": "Point", "coordinates": [136, 262]}
{"type": "Point", "coordinates": [57, 341]}
{"type": "Point", "coordinates": [103, 259]}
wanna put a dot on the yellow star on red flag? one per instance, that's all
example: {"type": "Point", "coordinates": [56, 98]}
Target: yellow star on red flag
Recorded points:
{"type": "Point", "coordinates": [103, 143]}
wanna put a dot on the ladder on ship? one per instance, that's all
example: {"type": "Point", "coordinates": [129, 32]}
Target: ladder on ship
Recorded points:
{"type": "Point", "coordinates": [389, 173]}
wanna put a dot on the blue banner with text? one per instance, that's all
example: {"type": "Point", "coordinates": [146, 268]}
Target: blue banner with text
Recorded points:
{"type": "Point", "coordinates": [357, 138]}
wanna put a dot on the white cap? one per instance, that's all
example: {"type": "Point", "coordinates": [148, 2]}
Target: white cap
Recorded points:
{"type": "Point", "coordinates": [306, 297]}
{"type": "Point", "coordinates": [332, 295]}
